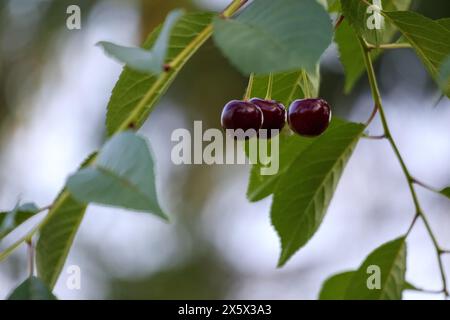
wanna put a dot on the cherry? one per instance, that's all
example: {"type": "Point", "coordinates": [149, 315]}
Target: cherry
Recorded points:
{"type": "Point", "coordinates": [243, 115]}
{"type": "Point", "coordinates": [274, 114]}
{"type": "Point", "coordinates": [309, 117]}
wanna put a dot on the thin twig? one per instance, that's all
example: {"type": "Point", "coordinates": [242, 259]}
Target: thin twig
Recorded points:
{"type": "Point", "coordinates": [379, 137]}
{"type": "Point", "coordinates": [388, 46]}
{"type": "Point", "coordinates": [413, 222]}
{"type": "Point", "coordinates": [419, 212]}
{"type": "Point", "coordinates": [339, 21]}
{"type": "Point", "coordinates": [423, 185]}
{"type": "Point", "coordinates": [372, 115]}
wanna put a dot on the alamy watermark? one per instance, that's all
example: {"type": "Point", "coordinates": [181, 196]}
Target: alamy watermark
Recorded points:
{"type": "Point", "coordinates": [212, 146]}
{"type": "Point", "coordinates": [73, 21]}
{"type": "Point", "coordinates": [374, 279]}
{"type": "Point", "coordinates": [375, 19]}
{"type": "Point", "coordinates": [73, 281]}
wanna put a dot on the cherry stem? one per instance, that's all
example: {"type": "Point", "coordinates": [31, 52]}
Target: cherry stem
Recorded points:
{"type": "Point", "coordinates": [248, 92]}
{"type": "Point", "coordinates": [419, 212]}
{"type": "Point", "coordinates": [269, 87]}
{"type": "Point", "coordinates": [306, 88]}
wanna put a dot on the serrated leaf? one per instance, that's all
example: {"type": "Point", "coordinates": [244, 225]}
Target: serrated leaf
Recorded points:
{"type": "Point", "coordinates": [302, 197]}
{"type": "Point", "coordinates": [334, 287]}
{"type": "Point", "coordinates": [286, 87]}
{"type": "Point", "coordinates": [275, 36]}
{"type": "Point", "coordinates": [57, 234]}
{"type": "Point", "coordinates": [446, 192]}
{"type": "Point", "coordinates": [143, 60]}
{"type": "Point", "coordinates": [349, 47]}
{"type": "Point", "coordinates": [122, 175]}
{"type": "Point", "coordinates": [135, 93]}
{"type": "Point", "coordinates": [14, 218]}
{"type": "Point", "coordinates": [32, 289]}
{"type": "Point", "coordinates": [430, 39]}
{"type": "Point", "coordinates": [390, 258]}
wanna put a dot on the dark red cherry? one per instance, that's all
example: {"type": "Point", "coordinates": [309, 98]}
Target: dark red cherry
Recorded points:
{"type": "Point", "coordinates": [243, 115]}
{"type": "Point", "coordinates": [309, 117]}
{"type": "Point", "coordinates": [274, 113]}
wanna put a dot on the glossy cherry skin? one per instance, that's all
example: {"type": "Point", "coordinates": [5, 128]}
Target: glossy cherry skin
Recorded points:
{"type": "Point", "coordinates": [274, 114]}
{"type": "Point", "coordinates": [309, 117]}
{"type": "Point", "coordinates": [243, 115]}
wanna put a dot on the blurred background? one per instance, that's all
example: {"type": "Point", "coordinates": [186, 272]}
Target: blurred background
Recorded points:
{"type": "Point", "coordinates": [54, 88]}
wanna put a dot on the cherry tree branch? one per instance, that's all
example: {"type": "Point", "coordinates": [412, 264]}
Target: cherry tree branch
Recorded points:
{"type": "Point", "coordinates": [410, 180]}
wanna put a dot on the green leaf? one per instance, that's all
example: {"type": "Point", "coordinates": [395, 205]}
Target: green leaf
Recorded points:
{"type": "Point", "coordinates": [286, 87]}
{"type": "Point", "coordinates": [261, 186]}
{"type": "Point", "coordinates": [361, 16]}
{"type": "Point", "coordinates": [348, 45]}
{"type": "Point", "coordinates": [334, 287]}
{"type": "Point", "coordinates": [446, 192]}
{"type": "Point", "coordinates": [275, 36]}
{"type": "Point", "coordinates": [122, 175]}
{"type": "Point", "coordinates": [57, 234]}
{"type": "Point", "coordinates": [302, 197]}
{"type": "Point", "coordinates": [56, 237]}
{"type": "Point", "coordinates": [430, 39]}
{"type": "Point", "coordinates": [32, 289]}
{"type": "Point", "coordinates": [135, 93]}
{"type": "Point", "coordinates": [147, 61]}
{"type": "Point", "coordinates": [390, 258]}
{"type": "Point", "coordinates": [350, 54]}
{"type": "Point", "coordinates": [14, 218]}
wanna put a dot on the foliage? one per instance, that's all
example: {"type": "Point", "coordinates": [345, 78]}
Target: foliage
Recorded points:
{"type": "Point", "coordinates": [280, 44]}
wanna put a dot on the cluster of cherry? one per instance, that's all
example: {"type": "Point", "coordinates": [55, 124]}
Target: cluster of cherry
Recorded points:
{"type": "Point", "coordinates": [306, 117]}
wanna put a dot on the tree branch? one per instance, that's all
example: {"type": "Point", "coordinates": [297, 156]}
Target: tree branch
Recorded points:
{"type": "Point", "coordinates": [410, 180]}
